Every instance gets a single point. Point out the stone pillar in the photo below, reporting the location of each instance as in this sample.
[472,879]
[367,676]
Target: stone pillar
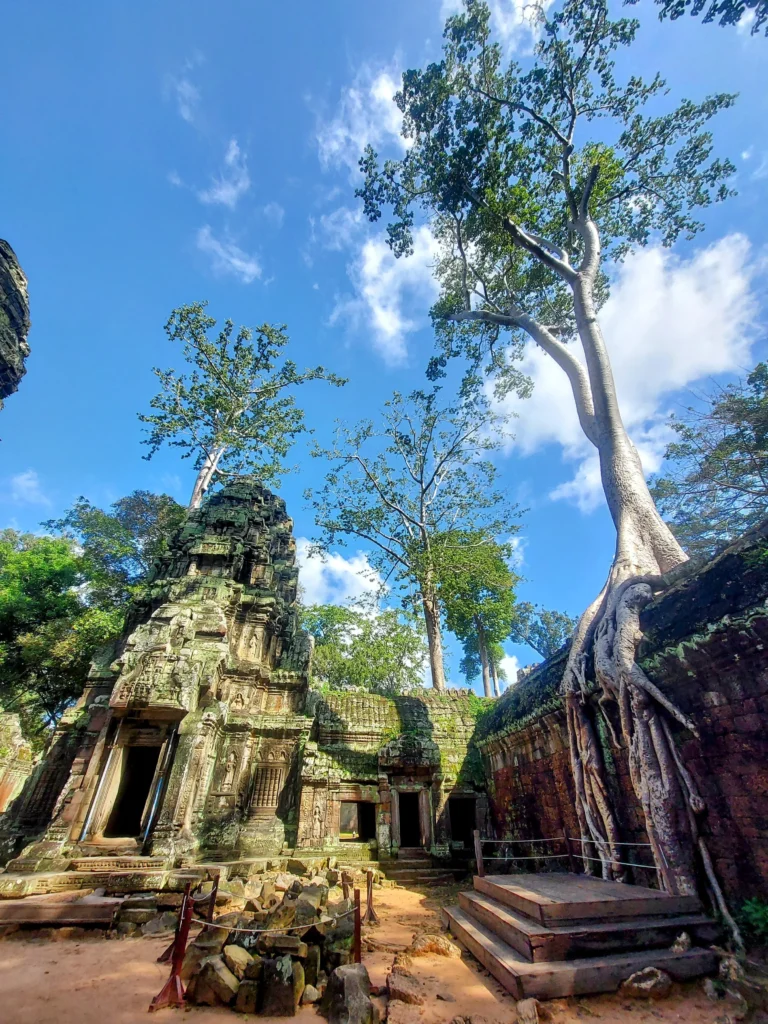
[425,817]
[395,802]
[384,817]
[442,823]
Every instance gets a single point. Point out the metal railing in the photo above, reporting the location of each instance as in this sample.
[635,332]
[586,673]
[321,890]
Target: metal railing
[570,854]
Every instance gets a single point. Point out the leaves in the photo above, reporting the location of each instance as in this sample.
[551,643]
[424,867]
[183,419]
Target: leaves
[232,406]
[717,486]
[383,651]
[724,12]
[544,631]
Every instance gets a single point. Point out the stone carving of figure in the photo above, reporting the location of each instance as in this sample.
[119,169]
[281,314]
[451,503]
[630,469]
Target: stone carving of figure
[229,771]
[317,822]
[238,702]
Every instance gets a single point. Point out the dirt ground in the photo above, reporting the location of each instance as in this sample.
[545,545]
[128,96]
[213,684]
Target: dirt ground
[92,980]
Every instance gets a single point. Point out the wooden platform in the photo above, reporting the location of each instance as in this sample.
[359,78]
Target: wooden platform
[555,935]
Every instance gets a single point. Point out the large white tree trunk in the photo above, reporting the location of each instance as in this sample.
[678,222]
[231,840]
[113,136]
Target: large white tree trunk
[483,649]
[434,639]
[205,476]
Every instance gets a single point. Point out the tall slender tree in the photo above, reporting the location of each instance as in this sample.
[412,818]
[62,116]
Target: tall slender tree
[231,412]
[406,485]
[534,180]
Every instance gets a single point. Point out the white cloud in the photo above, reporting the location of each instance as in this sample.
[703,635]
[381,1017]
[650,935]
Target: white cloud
[182,89]
[340,228]
[510,666]
[233,181]
[174,179]
[668,323]
[384,287]
[228,258]
[745,22]
[334,579]
[27,490]
[274,213]
[514,22]
[366,114]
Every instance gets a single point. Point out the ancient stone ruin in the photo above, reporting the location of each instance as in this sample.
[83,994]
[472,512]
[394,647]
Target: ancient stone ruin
[14,322]
[198,738]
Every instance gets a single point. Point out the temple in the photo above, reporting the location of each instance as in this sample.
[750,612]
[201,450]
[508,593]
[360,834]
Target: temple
[199,737]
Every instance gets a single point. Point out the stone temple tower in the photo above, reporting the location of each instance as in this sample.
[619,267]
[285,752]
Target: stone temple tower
[186,741]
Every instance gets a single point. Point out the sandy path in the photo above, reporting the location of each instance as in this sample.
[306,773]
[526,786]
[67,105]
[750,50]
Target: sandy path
[94,981]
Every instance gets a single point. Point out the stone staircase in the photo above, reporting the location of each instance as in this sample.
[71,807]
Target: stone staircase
[415,866]
[554,935]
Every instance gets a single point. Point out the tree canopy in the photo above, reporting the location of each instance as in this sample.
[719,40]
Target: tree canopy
[545,631]
[232,411]
[407,483]
[383,651]
[476,588]
[724,12]
[119,546]
[716,486]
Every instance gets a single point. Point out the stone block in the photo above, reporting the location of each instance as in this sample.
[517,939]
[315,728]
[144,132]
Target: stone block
[347,999]
[247,998]
[214,984]
[282,986]
[237,960]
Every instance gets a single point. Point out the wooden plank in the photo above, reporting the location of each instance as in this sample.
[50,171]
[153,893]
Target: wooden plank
[557,899]
[43,914]
[560,979]
[538,942]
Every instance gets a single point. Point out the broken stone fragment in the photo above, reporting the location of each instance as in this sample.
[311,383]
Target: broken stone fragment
[402,985]
[214,984]
[282,985]
[650,983]
[439,944]
[348,996]
[312,965]
[165,922]
[247,998]
[310,995]
[284,944]
[237,960]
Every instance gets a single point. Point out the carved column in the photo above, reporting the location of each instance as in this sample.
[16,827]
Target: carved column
[395,800]
[425,818]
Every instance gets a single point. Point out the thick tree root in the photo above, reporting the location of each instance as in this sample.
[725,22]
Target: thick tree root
[671,803]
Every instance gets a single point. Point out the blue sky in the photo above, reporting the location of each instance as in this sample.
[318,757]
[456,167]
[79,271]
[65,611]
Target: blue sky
[160,153]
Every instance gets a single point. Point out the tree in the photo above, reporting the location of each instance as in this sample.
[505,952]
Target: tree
[533,181]
[405,486]
[120,546]
[47,634]
[725,12]
[476,590]
[544,631]
[383,651]
[717,484]
[471,665]
[231,412]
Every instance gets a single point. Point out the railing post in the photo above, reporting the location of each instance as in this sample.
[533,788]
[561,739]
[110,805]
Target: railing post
[571,861]
[479,854]
[357,947]
[165,956]
[172,992]
[371,917]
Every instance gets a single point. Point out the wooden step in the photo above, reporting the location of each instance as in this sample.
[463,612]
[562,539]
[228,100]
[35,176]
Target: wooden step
[44,913]
[564,898]
[562,978]
[538,942]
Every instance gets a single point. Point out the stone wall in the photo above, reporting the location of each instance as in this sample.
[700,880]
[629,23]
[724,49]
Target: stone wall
[706,647]
[14,321]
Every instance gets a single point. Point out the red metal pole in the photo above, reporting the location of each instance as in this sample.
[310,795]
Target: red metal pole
[165,956]
[358,946]
[172,992]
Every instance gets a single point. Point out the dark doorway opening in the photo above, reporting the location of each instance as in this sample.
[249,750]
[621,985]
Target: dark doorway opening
[138,771]
[462,812]
[357,821]
[366,820]
[410,830]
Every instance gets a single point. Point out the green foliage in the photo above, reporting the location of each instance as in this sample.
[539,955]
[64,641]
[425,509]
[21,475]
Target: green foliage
[725,12]
[513,169]
[718,484]
[230,412]
[383,651]
[120,546]
[47,633]
[544,631]
[754,920]
[476,590]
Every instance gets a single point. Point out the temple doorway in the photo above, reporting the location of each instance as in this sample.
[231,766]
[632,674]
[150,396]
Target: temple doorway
[357,821]
[410,829]
[125,818]
[462,814]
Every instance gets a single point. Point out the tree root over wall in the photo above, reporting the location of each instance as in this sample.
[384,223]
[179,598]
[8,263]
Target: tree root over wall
[610,631]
